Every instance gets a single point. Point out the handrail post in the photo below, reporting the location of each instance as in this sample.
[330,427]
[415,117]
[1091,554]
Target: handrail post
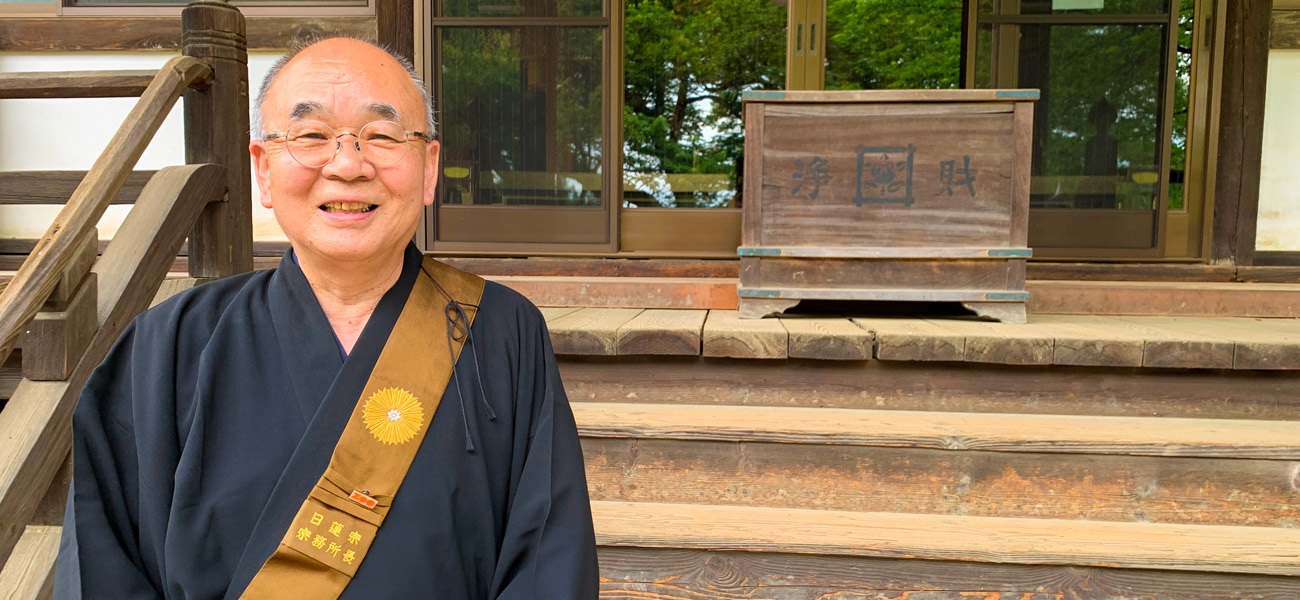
[216,131]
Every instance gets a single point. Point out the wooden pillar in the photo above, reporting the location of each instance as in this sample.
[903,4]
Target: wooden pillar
[1241,130]
[216,131]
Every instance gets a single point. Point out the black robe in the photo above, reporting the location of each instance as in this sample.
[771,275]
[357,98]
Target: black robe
[197,439]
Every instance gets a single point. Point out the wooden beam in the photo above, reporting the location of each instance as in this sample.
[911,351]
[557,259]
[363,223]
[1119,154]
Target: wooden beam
[828,339]
[75,84]
[33,283]
[29,574]
[63,34]
[35,422]
[943,537]
[396,20]
[995,432]
[1241,131]
[216,131]
[55,187]
[590,330]
[913,339]
[680,574]
[1284,30]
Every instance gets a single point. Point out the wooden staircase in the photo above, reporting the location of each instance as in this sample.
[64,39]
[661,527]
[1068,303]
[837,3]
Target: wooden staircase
[756,476]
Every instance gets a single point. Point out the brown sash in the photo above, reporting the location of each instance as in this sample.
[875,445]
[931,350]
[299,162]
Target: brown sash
[337,522]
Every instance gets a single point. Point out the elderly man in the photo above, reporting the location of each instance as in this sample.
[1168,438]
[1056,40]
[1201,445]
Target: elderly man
[360,422]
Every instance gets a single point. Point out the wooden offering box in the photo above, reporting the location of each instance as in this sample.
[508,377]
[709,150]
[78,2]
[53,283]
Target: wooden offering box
[887,195]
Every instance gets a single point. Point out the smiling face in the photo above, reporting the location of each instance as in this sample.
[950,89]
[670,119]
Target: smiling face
[348,212]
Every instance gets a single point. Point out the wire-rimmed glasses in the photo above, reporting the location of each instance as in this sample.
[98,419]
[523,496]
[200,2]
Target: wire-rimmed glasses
[314,144]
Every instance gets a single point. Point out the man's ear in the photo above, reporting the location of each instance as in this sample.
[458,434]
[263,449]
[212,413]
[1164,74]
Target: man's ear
[262,169]
[432,154]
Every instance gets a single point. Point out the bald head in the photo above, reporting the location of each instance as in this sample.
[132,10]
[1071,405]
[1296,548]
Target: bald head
[353,52]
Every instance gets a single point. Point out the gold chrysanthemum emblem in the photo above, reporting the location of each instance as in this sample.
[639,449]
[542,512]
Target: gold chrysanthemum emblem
[393,415]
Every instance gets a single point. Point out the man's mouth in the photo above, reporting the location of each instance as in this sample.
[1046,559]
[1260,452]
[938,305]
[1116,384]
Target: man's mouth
[347,207]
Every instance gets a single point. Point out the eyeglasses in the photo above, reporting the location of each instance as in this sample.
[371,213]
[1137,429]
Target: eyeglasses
[314,144]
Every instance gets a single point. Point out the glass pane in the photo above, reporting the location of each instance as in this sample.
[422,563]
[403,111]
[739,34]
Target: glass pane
[520,8]
[1182,89]
[685,66]
[521,116]
[1074,7]
[1097,126]
[893,44]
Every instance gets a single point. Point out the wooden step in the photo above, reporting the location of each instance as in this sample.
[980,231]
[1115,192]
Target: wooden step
[1207,438]
[625,292]
[29,572]
[1164,298]
[1259,550]
[1126,488]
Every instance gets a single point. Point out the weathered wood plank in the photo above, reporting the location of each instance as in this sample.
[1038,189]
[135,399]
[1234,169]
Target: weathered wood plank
[1157,489]
[53,341]
[29,574]
[828,339]
[1160,298]
[727,335]
[75,84]
[551,313]
[1209,438]
[1003,343]
[34,282]
[913,339]
[78,271]
[950,387]
[690,293]
[1084,341]
[34,424]
[55,187]
[1169,348]
[543,266]
[1284,30]
[659,331]
[171,287]
[1263,550]
[1257,343]
[590,330]
[675,574]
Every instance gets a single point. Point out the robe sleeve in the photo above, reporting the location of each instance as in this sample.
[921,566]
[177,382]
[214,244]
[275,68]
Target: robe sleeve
[100,555]
[549,547]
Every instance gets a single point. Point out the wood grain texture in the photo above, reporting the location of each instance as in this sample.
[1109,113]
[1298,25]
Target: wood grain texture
[29,574]
[53,341]
[939,386]
[828,339]
[34,282]
[551,313]
[1003,343]
[75,84]
[164,33]
[919,480]
[1271,551]
[55,187]
[171,287]
[1163,348]
[1208,438]
[1085,341]
[590,330]
[544,266]
[1208,299]
[658,331]
[913,339]
[677,574]
[1257,343]
[1284,30]
[217,132]
[1241,128]
[1062,271]
[35,422]
[625,292]
[812,96]
[727,335]
[72,278]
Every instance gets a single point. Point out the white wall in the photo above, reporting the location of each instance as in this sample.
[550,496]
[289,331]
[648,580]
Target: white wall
[69,134]
[1279,186]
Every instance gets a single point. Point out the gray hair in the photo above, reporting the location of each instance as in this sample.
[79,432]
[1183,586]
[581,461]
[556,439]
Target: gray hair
[256,128]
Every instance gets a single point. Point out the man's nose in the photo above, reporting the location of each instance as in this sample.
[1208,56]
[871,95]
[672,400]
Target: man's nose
[349,161]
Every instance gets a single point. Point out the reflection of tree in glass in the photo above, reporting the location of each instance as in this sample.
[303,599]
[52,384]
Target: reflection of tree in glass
[893,44]
[686,64]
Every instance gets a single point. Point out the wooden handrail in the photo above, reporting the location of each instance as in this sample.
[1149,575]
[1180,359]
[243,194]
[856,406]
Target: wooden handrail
[34,424]
[55,187]
[32,285]
[75,84]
